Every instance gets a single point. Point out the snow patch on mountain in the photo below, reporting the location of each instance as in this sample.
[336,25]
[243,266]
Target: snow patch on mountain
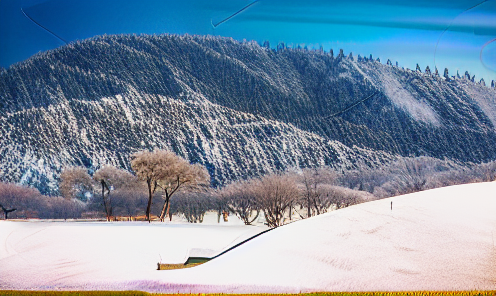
[402,98]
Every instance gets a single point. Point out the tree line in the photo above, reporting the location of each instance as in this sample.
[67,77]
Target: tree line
[164,184]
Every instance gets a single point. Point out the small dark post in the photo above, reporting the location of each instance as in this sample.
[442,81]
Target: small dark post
[391,206]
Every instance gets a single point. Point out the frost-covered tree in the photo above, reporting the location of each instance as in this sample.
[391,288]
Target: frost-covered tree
[276,193]
[446,74]
[313,196]
[412,174]
[111,178]
[75,183]
[418,69]
[428,70]
[192,205]
[168,171]
[240,199]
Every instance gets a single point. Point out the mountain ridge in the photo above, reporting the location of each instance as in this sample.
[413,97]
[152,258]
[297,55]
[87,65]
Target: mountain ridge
[372,113]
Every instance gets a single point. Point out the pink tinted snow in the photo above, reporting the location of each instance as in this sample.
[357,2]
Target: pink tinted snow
[440,239]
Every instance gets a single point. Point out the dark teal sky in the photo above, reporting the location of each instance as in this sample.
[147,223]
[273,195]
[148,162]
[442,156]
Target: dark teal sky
[453,34]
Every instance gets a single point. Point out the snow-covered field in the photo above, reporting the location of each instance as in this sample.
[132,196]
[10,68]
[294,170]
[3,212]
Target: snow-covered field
[440,239]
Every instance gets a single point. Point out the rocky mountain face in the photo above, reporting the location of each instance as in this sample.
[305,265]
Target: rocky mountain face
[238,108]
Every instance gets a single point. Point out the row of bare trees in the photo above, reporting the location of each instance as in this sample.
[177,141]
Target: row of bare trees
[18,201]
[408,175]
[156,172]
[159,175]
[287,196]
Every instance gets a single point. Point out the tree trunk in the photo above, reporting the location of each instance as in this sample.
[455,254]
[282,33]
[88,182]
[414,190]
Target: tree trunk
[309,213]
[104,201]
[253,220]
[6,212]
[150,196]
[165,208]
[110,211]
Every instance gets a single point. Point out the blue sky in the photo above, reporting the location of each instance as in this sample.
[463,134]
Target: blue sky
[459,35]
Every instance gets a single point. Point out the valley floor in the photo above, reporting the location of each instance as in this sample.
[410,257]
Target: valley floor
[441,239]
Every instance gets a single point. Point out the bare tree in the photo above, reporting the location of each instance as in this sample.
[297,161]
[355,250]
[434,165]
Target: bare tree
[31,204]
[275,194]
[240,199]
[365,178]
[193,205]
[413,175]
[21,201]
[75,183]
[342,197]
[129,201]
[168,171]
[149,167]
[185,177]
[487,171]
[110,177]
[219,203]
[314,197]
[63,208]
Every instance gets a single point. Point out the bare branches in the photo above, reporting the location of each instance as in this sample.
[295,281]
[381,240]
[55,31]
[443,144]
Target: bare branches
[112,178]
[240,198]
[275,195]
[192,205]
[278,194]
[29,203]
[314,197]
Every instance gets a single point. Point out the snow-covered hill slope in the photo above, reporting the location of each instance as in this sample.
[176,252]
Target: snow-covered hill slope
[238,108]
[231,144]
[441,239]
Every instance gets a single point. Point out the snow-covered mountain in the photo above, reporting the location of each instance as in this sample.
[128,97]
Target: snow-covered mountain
[238,108]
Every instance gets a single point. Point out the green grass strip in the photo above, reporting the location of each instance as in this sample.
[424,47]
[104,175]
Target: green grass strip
[139,293]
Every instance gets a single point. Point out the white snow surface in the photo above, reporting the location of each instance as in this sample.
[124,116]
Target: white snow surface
[441,239]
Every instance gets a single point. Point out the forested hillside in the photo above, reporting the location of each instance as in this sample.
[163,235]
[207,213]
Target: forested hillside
[238,108]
